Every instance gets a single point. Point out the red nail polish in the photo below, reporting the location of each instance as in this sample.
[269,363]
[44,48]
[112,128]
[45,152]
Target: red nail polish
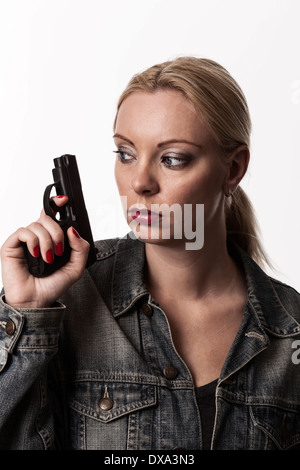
[36,251]
[49,256]
[59,249]
[75,232]
[60,196]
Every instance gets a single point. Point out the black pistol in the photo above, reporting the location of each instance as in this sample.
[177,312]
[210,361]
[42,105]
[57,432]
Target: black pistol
[73,213]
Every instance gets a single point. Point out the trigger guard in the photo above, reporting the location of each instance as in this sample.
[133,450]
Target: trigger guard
[49,204]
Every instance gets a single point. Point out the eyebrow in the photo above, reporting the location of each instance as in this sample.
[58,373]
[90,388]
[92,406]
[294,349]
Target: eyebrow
[161,144]
[178,141]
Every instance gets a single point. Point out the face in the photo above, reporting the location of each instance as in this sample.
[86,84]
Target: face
[167,158]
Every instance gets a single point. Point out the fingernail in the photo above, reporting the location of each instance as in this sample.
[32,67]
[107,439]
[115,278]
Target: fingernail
[60,196]
[75,232]
[49,256]
[36,251]
[59,249]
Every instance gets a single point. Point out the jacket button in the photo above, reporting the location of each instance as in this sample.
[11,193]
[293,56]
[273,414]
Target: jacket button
[170,372]
[106,404]
[10,327]
[147,310]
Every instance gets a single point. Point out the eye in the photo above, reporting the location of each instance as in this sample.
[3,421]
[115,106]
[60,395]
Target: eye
[174,161]
[124,156]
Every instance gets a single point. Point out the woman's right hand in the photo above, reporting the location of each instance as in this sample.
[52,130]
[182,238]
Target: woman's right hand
[43,237]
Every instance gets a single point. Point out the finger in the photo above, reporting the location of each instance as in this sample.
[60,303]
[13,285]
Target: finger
[12,247]
[55,231]
[48,236]
[58,201]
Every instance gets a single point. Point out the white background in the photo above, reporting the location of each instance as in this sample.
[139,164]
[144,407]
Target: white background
[64,63]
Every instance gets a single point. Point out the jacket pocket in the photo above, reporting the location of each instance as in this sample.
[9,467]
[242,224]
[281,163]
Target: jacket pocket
[280,425]
[108,401]
[106,415]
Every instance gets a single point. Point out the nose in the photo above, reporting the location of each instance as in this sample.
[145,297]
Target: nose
[144,180]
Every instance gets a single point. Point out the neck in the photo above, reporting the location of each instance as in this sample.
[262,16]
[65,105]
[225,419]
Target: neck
[192,275]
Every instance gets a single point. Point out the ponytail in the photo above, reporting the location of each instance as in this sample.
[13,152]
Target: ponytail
[242,226]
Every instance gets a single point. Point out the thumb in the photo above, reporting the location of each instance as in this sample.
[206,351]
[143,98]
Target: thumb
[80,248]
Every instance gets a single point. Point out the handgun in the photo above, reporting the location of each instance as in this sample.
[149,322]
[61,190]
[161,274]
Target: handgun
[66,182]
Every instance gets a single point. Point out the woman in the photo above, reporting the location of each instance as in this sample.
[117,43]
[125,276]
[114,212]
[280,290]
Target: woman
[156,346]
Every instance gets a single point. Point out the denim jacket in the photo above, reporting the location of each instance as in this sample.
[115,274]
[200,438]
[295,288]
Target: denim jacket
[99,369]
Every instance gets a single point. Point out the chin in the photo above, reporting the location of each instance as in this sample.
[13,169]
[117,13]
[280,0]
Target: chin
[156,238]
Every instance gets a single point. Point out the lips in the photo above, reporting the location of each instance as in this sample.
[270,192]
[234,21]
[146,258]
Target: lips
[144,216]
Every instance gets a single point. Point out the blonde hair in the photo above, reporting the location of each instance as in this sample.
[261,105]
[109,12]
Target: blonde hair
[220,102]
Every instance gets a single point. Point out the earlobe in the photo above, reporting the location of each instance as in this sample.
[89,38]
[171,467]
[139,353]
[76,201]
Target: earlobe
[236,169]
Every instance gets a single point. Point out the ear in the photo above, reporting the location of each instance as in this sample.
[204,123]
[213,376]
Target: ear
[236,169]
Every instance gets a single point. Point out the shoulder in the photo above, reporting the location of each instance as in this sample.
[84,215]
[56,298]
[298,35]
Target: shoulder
[288,297]
[96,278]
[116,272]
[108,248]
[276,301]
[118,260]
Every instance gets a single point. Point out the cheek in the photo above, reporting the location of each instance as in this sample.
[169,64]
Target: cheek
[128,198]
[206,190]
[203,190]
[120,180]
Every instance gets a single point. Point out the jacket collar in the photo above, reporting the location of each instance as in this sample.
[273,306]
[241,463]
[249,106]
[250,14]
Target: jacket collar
[128,286]
[127,282]
[263,296]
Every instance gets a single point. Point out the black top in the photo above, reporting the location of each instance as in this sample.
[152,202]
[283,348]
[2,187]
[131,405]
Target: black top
[205,396]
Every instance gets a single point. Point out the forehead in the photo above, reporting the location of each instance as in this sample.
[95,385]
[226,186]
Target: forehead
[163,113]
